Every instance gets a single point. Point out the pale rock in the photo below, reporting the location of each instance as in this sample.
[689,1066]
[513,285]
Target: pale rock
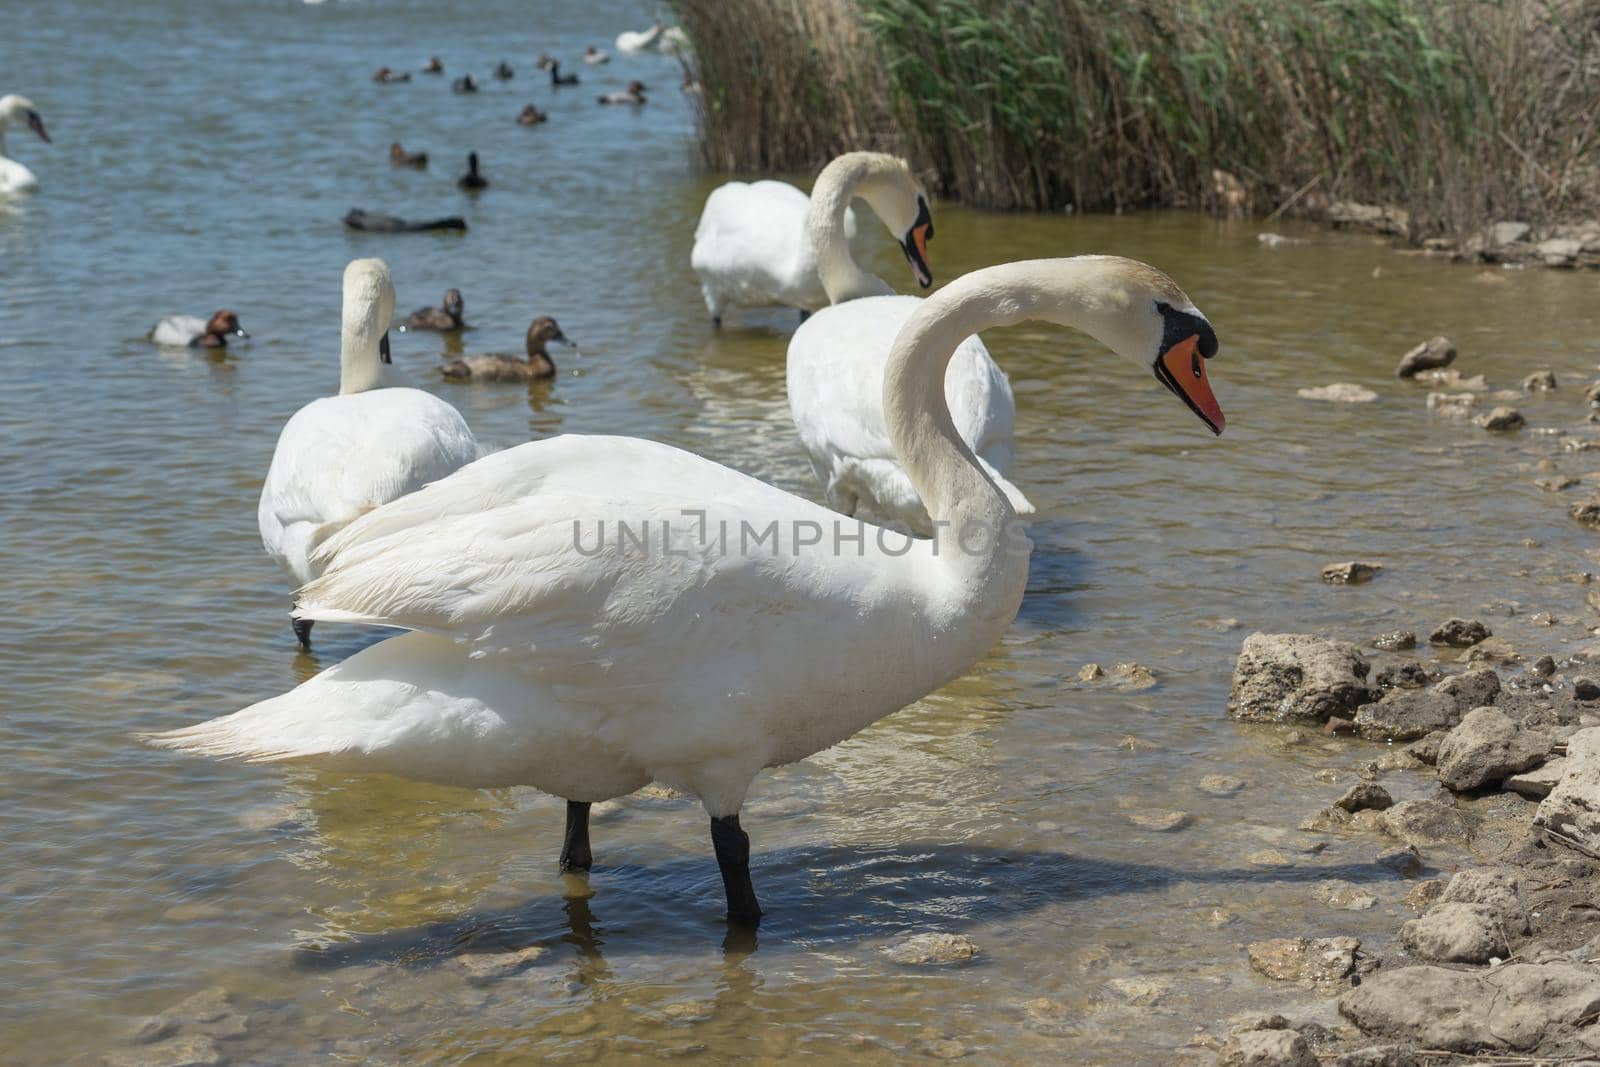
[1339,393]
[1295,959]
[1297,678]
[1456,933]
[916,949]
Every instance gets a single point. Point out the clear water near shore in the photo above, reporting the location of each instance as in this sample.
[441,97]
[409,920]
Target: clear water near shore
[334,911]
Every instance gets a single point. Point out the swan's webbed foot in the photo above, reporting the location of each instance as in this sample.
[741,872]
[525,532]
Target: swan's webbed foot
[733,855]
[575,855]
[302,632]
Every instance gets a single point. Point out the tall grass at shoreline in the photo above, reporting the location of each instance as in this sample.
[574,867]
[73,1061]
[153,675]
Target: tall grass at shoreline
[1458,111]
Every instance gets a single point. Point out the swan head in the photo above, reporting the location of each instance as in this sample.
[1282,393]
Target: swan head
[225,324]
[541,332]
[900,201]
[14,108]
[368,308]
[1141,314]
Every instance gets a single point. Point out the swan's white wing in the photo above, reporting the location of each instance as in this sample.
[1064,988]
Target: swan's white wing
[751,247]
[341,456]
[510,554]
[15,178]
[835,379]
[178,330]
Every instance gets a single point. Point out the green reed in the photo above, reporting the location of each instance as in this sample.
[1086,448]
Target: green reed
[1458,111]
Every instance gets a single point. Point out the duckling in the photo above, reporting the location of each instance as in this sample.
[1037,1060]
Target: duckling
[386,76]
[399,157]
[546,61]
[499,368]
[504,71]
[465,84]
[434,66]
[531,116]
[594,57]
[558,78]
[190,331]
[447,317]
[472,180]
[634,94]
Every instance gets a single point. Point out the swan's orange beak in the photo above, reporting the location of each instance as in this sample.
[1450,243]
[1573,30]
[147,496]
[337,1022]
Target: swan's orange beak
[1181,369]
[915,244]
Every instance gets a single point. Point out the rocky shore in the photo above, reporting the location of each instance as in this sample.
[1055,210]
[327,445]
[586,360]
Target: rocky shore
[1502,959]
[1568,245]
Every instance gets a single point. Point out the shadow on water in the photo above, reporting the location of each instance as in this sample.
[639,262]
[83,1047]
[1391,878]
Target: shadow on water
[815,897]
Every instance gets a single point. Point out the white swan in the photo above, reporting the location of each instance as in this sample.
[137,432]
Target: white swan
[14,177]
[191,331]
[836,366]
[341,456]
[752,247]
[639,40]
[749,628]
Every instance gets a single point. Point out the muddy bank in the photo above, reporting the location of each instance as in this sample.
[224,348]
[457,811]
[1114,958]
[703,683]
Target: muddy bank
[1570,244]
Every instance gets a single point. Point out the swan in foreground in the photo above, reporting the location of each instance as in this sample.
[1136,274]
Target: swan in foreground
[836,365]
[498,368]
[752,629]
[14,177]
[752,248]
[191,331]
[341,456]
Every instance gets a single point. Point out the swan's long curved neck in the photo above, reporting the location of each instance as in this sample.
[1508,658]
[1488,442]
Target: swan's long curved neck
[955,490]
[842,278]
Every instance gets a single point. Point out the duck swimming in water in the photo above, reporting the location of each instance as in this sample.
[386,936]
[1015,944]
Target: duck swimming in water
[434,66]
[500,368]
[399,157]
[634,95]
[191,331]
[558,78]
[531,116]
[472,180]
[504,71]
[465,84]
[445,317]
[386,76]
[594,57]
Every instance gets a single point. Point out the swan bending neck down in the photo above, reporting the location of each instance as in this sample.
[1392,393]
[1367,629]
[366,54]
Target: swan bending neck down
[14,177]
[587,670]
[885,182]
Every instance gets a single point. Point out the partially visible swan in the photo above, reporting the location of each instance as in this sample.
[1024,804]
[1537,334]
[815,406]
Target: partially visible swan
[552,652]
[836,365]
[594,57]
[447,316]
[14,177]
[633,94]
[191,331]
[752,247]
[341,456]
[639,40]
[499,368]
[674,42]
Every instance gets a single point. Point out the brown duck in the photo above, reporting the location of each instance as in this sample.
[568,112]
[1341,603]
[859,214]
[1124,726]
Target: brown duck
[447,317]
[498,368]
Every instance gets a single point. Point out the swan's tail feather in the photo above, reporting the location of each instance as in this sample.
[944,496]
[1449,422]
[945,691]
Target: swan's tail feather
[1019,503]
[225,738]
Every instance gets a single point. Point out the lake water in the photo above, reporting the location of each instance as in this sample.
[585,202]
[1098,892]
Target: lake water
[204,154]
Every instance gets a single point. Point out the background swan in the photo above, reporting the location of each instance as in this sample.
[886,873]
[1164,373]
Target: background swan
[836,365]
[341,456]
[752,247]
[639,40]
[191,331]
[548,654]
[14,177]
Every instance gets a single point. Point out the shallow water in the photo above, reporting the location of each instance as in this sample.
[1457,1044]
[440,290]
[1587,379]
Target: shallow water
[204,153]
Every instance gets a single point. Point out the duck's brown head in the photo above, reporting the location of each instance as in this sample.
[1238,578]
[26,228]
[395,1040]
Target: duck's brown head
[453,304]
[225,324]
[541,332]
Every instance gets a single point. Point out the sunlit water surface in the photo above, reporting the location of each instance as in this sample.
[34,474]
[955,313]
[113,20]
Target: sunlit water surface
[204,154]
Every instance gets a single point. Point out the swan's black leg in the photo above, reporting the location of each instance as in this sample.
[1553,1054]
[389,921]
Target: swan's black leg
[302,632]
[575,854]
[804,314]
[733,856]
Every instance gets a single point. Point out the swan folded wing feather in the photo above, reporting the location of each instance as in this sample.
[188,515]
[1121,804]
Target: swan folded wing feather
[751,245]
[506,555]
